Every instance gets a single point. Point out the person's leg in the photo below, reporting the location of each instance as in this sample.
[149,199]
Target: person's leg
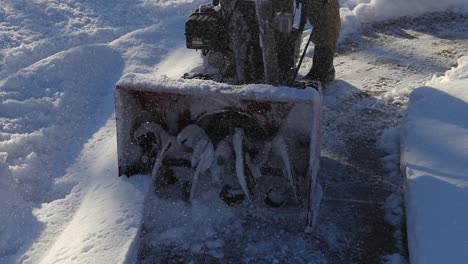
[239,39]
[325,18]
[265,12]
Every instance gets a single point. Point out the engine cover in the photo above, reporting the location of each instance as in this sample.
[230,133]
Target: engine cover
[205,29]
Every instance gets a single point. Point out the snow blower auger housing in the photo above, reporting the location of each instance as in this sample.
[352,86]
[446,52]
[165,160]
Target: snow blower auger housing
[254,143]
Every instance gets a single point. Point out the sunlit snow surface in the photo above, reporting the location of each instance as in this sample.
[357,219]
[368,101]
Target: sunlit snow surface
[434,159]
[60,199]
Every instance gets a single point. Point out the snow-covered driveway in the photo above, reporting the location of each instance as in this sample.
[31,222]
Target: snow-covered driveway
[362,215]
[60,199]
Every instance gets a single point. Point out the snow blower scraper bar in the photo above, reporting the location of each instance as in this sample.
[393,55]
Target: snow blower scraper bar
[251,140]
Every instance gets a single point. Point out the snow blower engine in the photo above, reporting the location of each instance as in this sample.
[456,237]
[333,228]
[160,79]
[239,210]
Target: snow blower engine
[226,129]
[248,41]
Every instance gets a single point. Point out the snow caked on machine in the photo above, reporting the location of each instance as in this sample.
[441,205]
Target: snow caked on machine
[243,126]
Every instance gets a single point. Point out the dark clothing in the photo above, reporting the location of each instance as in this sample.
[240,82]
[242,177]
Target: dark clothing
[326,21]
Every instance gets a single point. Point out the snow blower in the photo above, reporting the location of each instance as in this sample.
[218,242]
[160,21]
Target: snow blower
[253,141]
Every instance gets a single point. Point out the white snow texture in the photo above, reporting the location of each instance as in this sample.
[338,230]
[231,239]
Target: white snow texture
[356,12]
[60,198]
[434,159]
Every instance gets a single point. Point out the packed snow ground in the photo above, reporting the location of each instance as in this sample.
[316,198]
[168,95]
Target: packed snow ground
[60,199]
[434,159]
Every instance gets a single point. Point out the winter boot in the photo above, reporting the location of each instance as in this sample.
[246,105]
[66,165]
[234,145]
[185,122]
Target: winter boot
[322,68]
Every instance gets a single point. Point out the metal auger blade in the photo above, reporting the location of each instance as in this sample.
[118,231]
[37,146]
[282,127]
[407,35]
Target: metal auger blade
[194,182]
[281,149]
[255,163]
[254,169]
[158,163]
[204,163]
[222,161]
[313,207]
[240,169]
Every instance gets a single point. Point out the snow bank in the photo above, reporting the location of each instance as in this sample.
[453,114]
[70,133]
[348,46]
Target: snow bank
[13,210]
[56,91]
[41,104]
[434,160]
[109,214]
[48,110]
[59,197]
[355,12]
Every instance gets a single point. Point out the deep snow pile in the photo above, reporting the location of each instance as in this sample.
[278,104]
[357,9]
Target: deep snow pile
[60,61]
[356,12]
[434,159]
[57,130]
